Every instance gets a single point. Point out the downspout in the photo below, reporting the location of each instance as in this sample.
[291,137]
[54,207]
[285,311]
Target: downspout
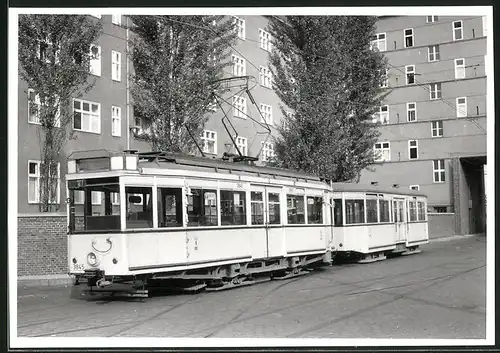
[127,88]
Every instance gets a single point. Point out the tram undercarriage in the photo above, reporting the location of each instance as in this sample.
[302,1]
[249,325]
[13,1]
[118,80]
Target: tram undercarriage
[215,278]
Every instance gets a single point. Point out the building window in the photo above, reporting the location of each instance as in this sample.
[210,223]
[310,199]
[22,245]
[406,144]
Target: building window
[461,107]
[385,79]
[457,30]
[440,209]
[437,128]
[95,60]
[267,151]
[116,66]
[265,40]
[239,66]
[415,187]
[438,170]
[116,19]
[378,41]
[382,151]
[409,38]
[116,121]
[431,19]
[212,106]
[240,27]
[267,113]
[435,90]
[209,139]
[382,115]
[265,77]
[242,143]
[86,116]
[411,111]
[459,68]
[240,106]
[34,177]
[433,53]
[410,74]
[35,109]
[413,149]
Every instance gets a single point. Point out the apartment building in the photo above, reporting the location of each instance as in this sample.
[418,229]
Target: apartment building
[433,133]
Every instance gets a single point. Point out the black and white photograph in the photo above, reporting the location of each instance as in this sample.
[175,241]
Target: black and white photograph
[221,177]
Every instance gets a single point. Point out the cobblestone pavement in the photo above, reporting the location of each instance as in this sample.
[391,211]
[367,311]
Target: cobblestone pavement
[439,293]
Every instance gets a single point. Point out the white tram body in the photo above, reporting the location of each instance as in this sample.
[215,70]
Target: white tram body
[185,217]
[216,224]
[376,221]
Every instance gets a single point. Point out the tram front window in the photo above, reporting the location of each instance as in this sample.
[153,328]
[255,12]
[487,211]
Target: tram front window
[94,205]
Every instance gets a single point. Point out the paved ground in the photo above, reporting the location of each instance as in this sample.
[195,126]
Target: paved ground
[439,293]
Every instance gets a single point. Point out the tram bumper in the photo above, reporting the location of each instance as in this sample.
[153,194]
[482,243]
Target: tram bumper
[93,276]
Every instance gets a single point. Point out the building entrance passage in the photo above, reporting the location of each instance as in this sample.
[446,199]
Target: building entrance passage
[400,221]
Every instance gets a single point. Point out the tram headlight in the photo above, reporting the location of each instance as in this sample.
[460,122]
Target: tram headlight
[92,259]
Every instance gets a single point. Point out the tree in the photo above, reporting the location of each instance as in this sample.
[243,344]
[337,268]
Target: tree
[176,60]
[325,71]
[54,57]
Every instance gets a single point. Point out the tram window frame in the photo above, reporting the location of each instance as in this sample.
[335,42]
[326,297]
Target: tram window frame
[297,217]
[169,220]
[317,204]
[201,208]
[384,210]
[107,218]
[412,211]
[138,219]
[338,213]
[275,202]
[228,213]
[255,217]
[421,207]
[370,211]
[355,217]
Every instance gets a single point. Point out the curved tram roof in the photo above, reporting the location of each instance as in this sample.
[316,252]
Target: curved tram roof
[165,160]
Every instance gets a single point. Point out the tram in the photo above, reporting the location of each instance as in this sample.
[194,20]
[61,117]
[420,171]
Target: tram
[142,218]
[138,220]
[371,223]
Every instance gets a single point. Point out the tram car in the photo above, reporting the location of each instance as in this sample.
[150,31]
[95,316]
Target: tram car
[371,222]
[197,223]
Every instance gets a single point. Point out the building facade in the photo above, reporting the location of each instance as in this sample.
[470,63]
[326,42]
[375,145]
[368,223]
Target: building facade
[433,132]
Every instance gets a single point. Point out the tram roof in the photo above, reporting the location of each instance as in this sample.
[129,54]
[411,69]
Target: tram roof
[384,189]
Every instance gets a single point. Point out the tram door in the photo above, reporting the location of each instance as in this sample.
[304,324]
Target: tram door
[399,214]
[272,219]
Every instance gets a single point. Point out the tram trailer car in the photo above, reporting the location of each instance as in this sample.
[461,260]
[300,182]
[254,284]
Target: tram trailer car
[371,223]
[148,218]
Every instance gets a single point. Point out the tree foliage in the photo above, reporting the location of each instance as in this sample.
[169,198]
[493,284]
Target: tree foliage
[54,57]
[176,60]
[324,70]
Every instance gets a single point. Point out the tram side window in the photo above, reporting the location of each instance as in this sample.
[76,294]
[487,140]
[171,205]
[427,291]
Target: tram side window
[169,207]
[315,210]
[274,208]
[232,208]
[385,212]
[202,208]
[371,211]
[421,211]
[413,210]
[295,209]
[139,207]
[337,209]
[97,200]
[257,207]
[354,211]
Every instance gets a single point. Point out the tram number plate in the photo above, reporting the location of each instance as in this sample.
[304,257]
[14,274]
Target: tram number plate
[79,267]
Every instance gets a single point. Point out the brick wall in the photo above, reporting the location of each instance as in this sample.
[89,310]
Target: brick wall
[42,244]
